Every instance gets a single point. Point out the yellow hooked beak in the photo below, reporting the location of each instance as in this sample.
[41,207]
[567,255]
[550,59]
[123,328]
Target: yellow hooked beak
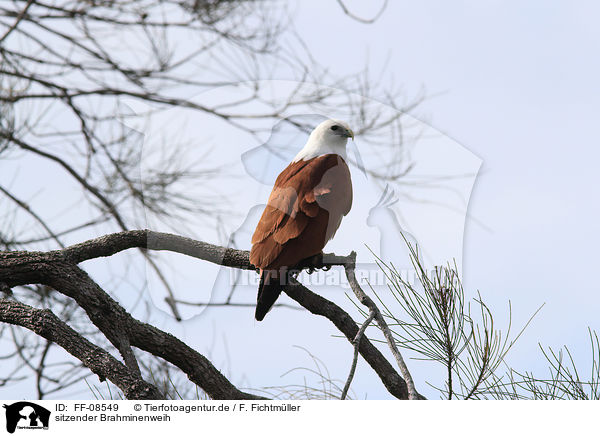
[350,133]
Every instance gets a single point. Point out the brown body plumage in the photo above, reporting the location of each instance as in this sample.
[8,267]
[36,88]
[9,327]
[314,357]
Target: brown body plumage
[304,210]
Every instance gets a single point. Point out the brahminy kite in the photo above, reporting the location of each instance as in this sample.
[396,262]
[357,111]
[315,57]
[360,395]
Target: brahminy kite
[304,210]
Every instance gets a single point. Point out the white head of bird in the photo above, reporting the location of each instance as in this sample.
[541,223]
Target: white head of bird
[329,137]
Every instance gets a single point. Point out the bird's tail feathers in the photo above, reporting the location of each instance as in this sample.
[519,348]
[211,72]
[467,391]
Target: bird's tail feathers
[269,289]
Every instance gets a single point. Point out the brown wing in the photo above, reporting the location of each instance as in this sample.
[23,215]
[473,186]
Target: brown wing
[304,211]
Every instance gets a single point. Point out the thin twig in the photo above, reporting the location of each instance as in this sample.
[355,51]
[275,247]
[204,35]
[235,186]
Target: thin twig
[367,301]
[17,21]
[230,304]
[356,342]
[360,19]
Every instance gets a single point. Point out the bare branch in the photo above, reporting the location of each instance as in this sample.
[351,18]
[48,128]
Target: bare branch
[17,21]
[122,330]
[356,342]
[361,19]
[367,301]
[47,325]
[58,269]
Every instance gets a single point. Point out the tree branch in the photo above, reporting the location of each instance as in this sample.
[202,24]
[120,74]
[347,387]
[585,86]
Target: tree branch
[318,305]
[58,269]
[47,325]
[356,341]
[367,301]
[113,243]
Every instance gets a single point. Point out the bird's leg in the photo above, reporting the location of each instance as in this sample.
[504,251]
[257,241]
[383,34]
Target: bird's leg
[292,273]
[311,264]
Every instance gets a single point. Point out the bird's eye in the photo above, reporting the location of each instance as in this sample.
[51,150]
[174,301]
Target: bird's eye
[335,127]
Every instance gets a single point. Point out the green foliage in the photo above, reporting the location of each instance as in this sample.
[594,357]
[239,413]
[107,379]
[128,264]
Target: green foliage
[563,382]
[436,322]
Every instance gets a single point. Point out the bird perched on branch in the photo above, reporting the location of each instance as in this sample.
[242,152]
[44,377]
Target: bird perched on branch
[309,199]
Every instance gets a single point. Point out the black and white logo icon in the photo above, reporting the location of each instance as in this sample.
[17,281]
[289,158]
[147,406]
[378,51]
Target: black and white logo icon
[26,415]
